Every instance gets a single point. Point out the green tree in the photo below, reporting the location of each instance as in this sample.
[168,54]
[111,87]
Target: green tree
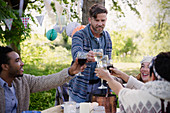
[18,33]
[156,39]
[123,44]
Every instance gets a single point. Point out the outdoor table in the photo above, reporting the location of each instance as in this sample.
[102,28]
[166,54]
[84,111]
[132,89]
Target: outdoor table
[55,109]
[58,109]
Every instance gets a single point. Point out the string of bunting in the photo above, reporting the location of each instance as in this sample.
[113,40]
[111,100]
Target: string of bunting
[8,22]
[60,25]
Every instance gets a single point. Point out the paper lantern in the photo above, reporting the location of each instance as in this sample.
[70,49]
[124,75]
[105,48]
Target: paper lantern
[59,29]
[77,29]
[70,27]
[51,34]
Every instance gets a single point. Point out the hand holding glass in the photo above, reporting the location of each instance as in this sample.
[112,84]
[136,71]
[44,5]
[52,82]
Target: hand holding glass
[98,53]
[104,65]
[110,65]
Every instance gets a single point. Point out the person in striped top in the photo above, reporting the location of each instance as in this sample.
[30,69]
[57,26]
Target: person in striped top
[93,36]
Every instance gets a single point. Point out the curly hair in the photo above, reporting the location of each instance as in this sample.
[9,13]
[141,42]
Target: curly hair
[4,59]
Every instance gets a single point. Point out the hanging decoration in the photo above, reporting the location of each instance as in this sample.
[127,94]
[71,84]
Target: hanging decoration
[51,15]
[58,29]
[47,5]
[40,19]
[77,29]
[59,10]
[9,23]
[60,25]
[70,27]
[51,35]
[25,21]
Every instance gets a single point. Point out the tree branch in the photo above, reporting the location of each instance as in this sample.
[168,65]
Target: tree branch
[32,1]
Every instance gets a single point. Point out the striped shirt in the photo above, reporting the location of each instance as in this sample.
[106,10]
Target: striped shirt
[84,40]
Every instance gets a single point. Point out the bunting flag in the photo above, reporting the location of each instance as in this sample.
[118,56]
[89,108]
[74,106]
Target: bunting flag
[9,23]
[40,19]
[25,21]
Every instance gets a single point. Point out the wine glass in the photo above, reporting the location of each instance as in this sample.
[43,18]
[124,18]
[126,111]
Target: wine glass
[82,58]
[110,65]
[98,54]
[104,65]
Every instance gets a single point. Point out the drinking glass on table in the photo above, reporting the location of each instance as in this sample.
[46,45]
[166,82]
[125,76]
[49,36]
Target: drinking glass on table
[70,107]
[104,66]
[82,58]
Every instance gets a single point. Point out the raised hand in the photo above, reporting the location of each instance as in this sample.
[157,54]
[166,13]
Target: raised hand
[90,56]
[76,68]
[102,73]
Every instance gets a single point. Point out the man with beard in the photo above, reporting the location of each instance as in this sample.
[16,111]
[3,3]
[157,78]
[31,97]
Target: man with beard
[15,87]
[93,36]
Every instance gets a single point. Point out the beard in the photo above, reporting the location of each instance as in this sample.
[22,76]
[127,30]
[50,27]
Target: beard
[14,74]
[19,75]
[95,29]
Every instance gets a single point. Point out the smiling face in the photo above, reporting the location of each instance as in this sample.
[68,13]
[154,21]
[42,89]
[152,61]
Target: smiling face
[15,66]
[145,72]
[98,23]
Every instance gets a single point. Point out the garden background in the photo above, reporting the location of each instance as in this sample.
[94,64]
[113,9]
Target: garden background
[134,34]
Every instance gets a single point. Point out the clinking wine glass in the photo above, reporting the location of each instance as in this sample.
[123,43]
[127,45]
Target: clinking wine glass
[98,54]
[110,65]
[82,58]
[104,65]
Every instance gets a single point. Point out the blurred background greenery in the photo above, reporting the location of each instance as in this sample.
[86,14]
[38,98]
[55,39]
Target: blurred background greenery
[134,35]
[43,57]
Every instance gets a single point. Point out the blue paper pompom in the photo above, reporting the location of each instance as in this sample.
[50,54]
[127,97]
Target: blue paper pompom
[51,34]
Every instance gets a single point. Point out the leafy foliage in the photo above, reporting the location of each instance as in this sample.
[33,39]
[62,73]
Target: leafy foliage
[37,63]
[37,5]
[41,58]
[130,3]
[38,50]
[6,11]
[43,100]
[123,44]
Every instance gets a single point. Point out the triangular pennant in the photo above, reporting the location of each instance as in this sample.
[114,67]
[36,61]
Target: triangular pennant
[9,23]
[40,19]
[25,21]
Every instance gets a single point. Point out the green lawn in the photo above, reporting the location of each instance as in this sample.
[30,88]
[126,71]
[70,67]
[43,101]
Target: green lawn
[129,68]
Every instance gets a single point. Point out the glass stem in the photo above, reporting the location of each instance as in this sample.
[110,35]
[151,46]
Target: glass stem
[101,81]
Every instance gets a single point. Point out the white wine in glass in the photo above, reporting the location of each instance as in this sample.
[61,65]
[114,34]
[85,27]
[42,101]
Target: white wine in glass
[104,66]
[98,54]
